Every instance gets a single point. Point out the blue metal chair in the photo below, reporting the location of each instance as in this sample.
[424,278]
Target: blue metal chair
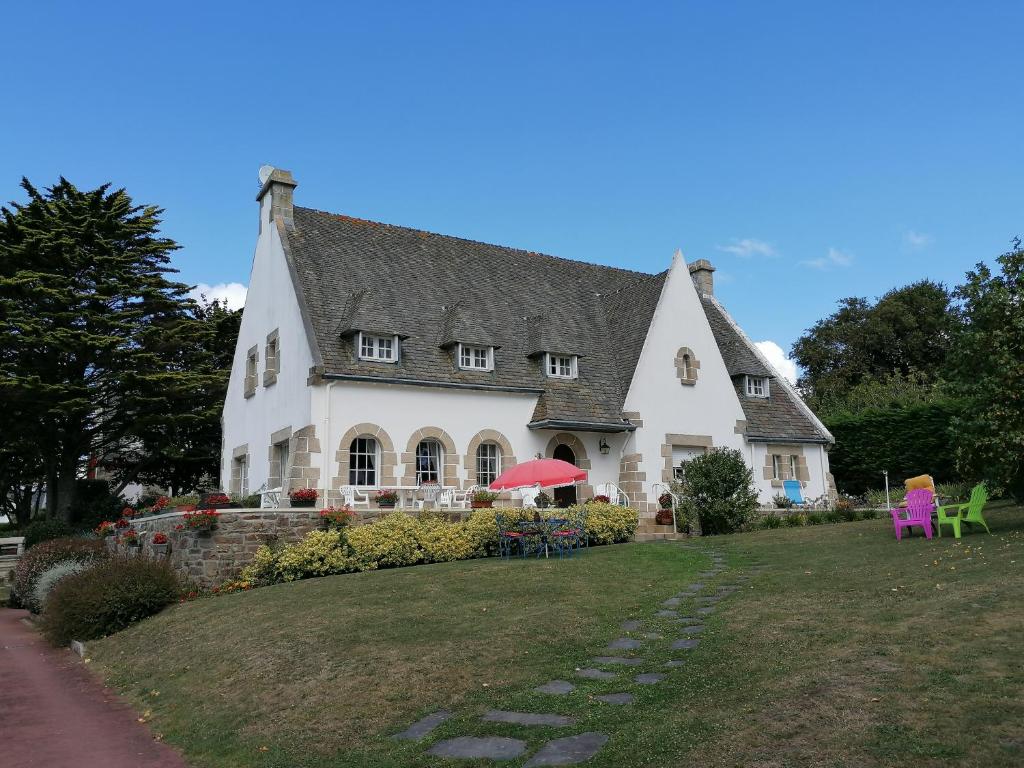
[507,538]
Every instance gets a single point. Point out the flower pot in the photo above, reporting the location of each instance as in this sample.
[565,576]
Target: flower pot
[482,504]
[111,543]
[664,517]
[305,503]
[160,550]
[386,504]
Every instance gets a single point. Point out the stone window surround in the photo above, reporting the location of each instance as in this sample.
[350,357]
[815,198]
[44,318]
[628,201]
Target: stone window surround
[302,444]
[239,459]
[508,458]
[387,468]
[682,441]
[687,374]
[252,362]
[449,455]
[276,473]
[272,353]
[785,450]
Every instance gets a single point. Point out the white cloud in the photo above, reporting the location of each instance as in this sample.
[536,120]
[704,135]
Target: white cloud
[834,258]
[232,293]
[915,241]
[784,365]
[748,247]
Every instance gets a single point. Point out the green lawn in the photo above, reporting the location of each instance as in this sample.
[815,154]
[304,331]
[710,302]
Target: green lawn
[852,650]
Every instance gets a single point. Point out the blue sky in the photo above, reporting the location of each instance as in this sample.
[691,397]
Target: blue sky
[810,150]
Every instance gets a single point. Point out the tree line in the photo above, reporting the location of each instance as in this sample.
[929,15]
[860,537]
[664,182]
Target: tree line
[105,361]
[925,379]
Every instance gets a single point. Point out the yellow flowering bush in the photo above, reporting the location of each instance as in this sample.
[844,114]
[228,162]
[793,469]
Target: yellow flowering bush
[443,542]
[390,542]
[607,523]
[320,553]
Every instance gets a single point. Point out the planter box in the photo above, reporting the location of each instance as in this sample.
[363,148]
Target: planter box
[303,503]
[386,505]
[160,550]
[482,504]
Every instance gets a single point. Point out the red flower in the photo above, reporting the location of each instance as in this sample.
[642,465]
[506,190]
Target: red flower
[304,494]
[122,523]
[128,512]
[159,537]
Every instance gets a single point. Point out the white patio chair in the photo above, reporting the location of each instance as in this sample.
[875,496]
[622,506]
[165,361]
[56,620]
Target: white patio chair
[352,497]
[446,498]
[270,498]
[430,494]
[530,495]
[613,492]
[465,498]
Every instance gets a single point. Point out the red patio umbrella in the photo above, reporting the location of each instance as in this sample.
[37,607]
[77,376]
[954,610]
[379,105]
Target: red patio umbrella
[543,472]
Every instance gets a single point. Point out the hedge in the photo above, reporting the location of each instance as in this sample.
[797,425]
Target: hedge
[399,539]
[910,441]
[42,557]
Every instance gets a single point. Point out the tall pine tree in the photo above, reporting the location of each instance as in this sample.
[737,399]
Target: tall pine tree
[95,340]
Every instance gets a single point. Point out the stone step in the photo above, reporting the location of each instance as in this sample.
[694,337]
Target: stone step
[658,537]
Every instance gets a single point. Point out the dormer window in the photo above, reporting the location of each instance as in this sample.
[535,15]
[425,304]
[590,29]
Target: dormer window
[560,366]
[757,386]
[381,349]
[473,358]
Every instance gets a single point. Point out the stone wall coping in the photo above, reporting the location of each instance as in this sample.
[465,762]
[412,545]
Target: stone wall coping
[246,510]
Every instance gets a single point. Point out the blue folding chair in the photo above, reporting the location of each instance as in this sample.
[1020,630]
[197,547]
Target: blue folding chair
[792,488]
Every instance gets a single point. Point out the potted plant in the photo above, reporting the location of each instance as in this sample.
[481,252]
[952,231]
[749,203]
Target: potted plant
[216,500]
[130,537]
[159,543]
[303,497]
[664,516]
[128,512]
[201,521]
[335,518]
[482,499]
[387,499]
[602,499]
[543,500]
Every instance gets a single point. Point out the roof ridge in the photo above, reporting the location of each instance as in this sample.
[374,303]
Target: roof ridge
[523,251]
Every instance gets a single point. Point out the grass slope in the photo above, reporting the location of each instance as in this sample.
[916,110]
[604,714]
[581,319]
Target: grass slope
[853,651]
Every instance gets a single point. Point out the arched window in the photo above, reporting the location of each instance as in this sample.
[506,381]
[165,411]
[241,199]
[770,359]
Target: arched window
[362,461]
[488,463]
[428,462]
[687,367]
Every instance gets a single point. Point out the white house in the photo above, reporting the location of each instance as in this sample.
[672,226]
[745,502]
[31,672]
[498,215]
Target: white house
[377,355]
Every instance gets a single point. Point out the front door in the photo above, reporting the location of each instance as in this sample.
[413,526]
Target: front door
[566,495]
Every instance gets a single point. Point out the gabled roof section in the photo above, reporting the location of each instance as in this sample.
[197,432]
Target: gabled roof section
[433,290]
[782,415]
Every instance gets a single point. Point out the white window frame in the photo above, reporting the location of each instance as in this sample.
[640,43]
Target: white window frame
[755,383]
[776,466]
[554,368]
[420,480]
[369,473]
[792,467]
[482,460]
[470,358]
[372,347]
[243,474]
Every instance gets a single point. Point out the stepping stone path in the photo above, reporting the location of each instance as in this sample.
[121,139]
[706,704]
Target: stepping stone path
[492,747]
[594,674]
[617,698]
[568,751]
[527,718]
[624,644]
[556,688]
[421,728]
[649,678]
[623,660]
[685,644]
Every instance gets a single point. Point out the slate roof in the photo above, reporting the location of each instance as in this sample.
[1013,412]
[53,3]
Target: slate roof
[434,290]
[776,417]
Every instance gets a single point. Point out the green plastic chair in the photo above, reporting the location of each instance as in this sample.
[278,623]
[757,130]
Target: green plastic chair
[964,513]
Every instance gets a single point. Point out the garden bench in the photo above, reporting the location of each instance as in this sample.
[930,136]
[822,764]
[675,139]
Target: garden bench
[11,550]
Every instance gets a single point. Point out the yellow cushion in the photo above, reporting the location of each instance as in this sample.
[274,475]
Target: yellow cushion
[921,481]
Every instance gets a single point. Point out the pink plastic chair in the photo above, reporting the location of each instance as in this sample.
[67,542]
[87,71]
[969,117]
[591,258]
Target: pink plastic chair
[918,512]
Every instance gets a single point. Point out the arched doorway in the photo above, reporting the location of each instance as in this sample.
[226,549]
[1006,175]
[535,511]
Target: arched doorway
[566,495]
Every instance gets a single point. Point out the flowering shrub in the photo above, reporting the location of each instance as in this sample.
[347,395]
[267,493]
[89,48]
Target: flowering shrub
[104,529]
[131,536]
[44,556]
[601,499]
[159,537]
[665,501]
[201,520]
[337,517]
[781,501]
[128,512]
[303,494]
[217,498]
[607,523]
[387,497]
[122,524]
[320,553]
[389,542]
[48,580]
[442,542]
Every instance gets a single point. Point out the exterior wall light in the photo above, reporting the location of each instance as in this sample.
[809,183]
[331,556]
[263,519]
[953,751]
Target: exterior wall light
[603,447]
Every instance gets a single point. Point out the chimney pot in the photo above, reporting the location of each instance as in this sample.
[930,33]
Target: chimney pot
[702,273]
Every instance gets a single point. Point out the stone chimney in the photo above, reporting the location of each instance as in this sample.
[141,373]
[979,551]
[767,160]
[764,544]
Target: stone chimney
[279,185]
[703,276]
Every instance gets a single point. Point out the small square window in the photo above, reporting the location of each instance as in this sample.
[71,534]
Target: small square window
[757,386]
[379,348]
[561,366]
[475,358]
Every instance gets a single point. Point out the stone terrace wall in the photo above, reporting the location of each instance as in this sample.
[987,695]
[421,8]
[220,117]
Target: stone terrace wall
[210,559]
